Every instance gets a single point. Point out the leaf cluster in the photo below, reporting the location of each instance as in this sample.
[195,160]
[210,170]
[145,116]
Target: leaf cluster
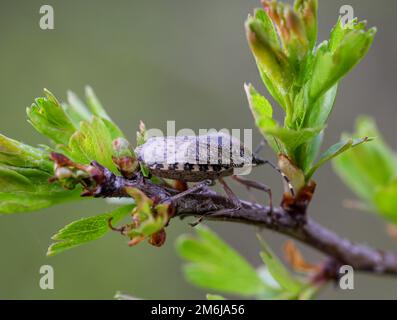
[212,264]
[371,170]
[302,77]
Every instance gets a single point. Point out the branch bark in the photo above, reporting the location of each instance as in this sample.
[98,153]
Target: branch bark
[282,220]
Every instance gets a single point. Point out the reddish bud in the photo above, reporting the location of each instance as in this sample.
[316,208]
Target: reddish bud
[158,239]
[124,157]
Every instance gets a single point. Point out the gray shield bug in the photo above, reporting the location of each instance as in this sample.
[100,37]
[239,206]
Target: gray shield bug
[203,159]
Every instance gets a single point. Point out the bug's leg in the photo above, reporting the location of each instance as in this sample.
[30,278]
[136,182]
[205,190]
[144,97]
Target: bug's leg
[256,156]
[233,198]
[256,185]
[193,189]
[286,179]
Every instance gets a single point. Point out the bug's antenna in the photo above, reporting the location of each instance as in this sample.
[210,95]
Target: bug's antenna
[264,143]
[260,146]
[260,161]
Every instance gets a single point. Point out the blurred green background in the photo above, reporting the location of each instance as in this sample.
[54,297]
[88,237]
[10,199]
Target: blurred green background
[179,60]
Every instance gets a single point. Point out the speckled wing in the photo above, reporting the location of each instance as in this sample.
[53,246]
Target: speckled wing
[215,149]
[212,149]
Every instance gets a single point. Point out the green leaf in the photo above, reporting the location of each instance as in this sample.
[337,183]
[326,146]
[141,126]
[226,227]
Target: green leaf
[15,153]
[24,175]
[385,199]
[267,27]
[76,109]
[368,167]
[306,153]
[49,118]
[292,139]
[23,194]
[216,266]
[145,170]
[113,129]
[352,172]
[278,271]
[334,60]
[371,171]
[92,141]
[95,105]
[260,107]
[334,151]
[148,220]
[274,289]
[309,293]
[32,201]
[270,59]
[262,112]
[340,31]
[314,116]
[84,133]
[27,189]
[303,79]
[307,10]
[124,296]
[86,230]
[292,29]
[79,111]
[318,112]
[381,153]
[274,91]
[214,297]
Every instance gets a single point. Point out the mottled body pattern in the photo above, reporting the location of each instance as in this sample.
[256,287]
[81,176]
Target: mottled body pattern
[203,159]
[194,158]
